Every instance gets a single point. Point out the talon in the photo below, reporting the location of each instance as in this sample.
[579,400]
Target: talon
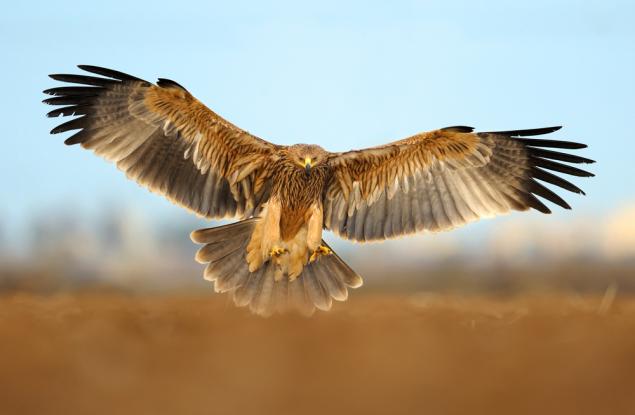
[324,250]
[276,252]
[320,251]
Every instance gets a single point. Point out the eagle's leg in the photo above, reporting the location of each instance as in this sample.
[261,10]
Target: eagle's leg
[314,235]
[314,226]
[271,246]
[265,243]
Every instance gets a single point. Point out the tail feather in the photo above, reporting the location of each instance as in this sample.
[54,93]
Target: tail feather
[223,233]
[334,286]
[349,277]
[281,295]
[217,251]
[246,292]
[224,251]
[262,302]
[226,274]
[298,299]
[234,279]
[315,291]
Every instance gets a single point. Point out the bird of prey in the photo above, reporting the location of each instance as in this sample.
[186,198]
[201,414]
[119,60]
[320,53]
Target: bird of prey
[274,258]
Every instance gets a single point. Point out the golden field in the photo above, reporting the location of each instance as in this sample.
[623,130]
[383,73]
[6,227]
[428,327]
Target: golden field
[105,352]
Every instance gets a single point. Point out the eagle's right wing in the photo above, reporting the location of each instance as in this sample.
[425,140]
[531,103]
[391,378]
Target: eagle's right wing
[166,140]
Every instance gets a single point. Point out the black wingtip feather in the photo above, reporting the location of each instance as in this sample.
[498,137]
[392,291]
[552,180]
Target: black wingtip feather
[527,132]
[556,155]
[83,80]
[168,83]
[459,129]
[537,142]
[545,176]
[110,73]
[542,191]
[78,99]
[559,167]
[540,159]
[71,141]
[69,111]
[73,91]
[77,138]
[69,100]
[533,202]
[74,124]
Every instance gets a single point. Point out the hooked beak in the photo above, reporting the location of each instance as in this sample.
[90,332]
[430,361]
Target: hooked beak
[307,166]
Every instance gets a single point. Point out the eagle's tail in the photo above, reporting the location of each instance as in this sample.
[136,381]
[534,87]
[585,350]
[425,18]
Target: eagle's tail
[224,252]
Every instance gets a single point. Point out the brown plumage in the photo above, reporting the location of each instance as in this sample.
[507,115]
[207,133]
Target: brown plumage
[275,258]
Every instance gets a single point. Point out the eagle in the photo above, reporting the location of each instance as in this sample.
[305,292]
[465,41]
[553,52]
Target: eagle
[274,259]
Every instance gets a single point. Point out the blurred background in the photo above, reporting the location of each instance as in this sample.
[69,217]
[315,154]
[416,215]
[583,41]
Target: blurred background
[343,75]
[98,284]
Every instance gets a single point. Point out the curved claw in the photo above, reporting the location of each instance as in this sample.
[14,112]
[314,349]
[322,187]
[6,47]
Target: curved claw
[277,251]
[320,251]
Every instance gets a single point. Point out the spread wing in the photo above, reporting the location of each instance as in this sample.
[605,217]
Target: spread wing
[442,179]
[166,140]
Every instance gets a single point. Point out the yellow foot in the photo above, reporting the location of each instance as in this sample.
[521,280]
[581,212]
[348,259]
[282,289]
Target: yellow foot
[277,251]
[320,251]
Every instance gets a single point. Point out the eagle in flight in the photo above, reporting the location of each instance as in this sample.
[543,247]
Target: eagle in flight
[285,196]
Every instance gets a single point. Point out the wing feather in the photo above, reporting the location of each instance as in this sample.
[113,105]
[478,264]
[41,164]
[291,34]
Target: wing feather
[166,140]
[442,179]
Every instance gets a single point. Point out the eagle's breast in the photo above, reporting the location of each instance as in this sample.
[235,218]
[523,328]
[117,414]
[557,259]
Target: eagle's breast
[297,193]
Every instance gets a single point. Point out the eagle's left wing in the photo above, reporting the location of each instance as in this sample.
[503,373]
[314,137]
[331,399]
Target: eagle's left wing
[442,179]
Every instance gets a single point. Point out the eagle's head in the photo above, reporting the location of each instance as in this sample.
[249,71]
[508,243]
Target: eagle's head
[306,156]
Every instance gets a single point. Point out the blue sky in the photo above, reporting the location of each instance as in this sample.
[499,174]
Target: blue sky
[347,75]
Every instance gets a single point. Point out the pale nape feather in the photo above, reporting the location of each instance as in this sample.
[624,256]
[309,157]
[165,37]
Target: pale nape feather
[442,179]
